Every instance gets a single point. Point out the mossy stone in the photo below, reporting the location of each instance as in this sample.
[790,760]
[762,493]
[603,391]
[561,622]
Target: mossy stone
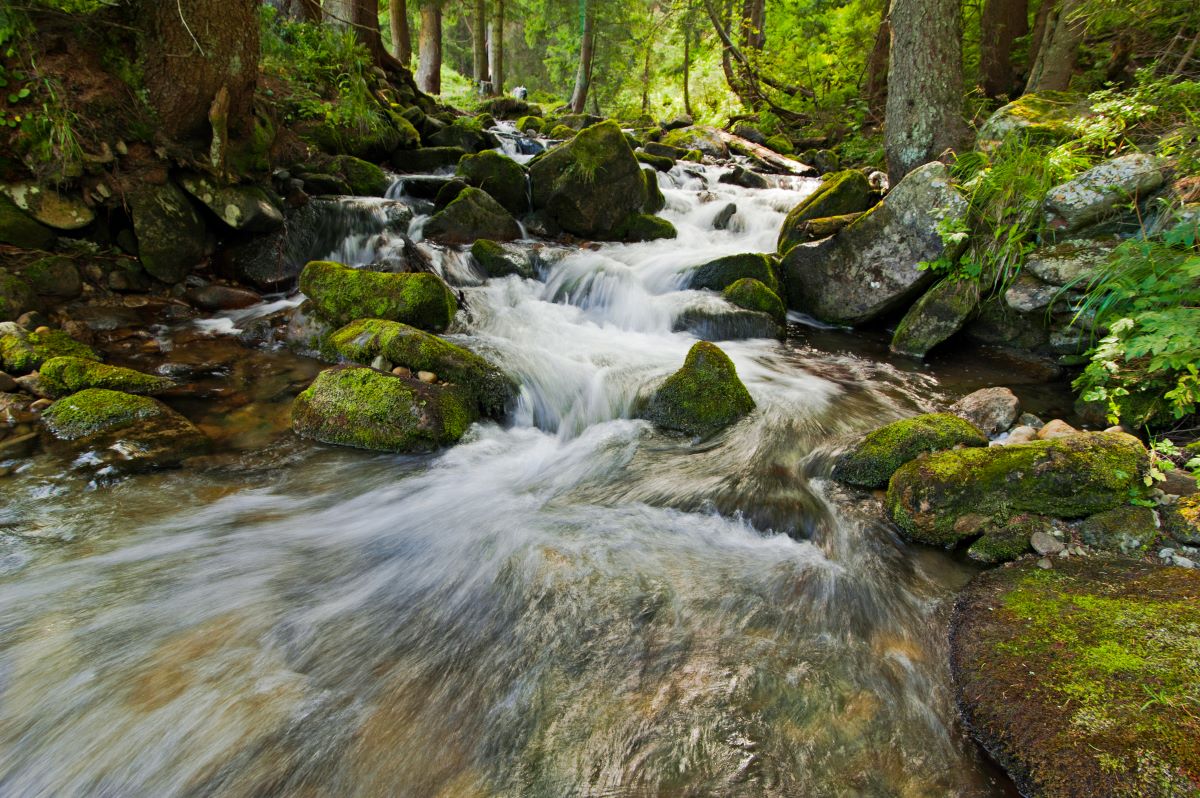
[364,178]
[246,208]
[341,295]
[16,296]
[96,410]
[660,150]
[55,276]
[1182,520]
[401,345]
[643,227]
[372,144]
[500,176]
[936,316]
[1070,477]
[701,398]
[65,375]
[530,124]
[780,144]
[871,462]
[1129,529]
[427,159]
[703,139]
[171,236]
[466,133]
[840,193]
[471,215]
[562,132]
[655,200]
[1040,117]
[753,294]
[367,409]
[660,163]
[21,230]
[22,351]
[719,274]
[498,262]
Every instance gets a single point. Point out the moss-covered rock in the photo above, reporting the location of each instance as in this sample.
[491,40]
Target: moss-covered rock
[1009,540]
[655,199]
[823,227]
[96,410]
[364,340]
[1040,117]
[22,351]
[839,194]
[1129,530]
[367,409]
[500,176]
[590,185]
[363,177]
[643,227]
[21,230]
[16,296]
[53,276]
[372,144]
[701,398]
[466,132]
[427,159]
[719,274]
[1182,520]
[1081,680]
[496,261]
[936,316]
[660,150]
[780,144]
[171,237]
[342,294]
[660,163]
[449,192]
[472,214]
[66,375]
[57,210]
[872,461]
[705,139]
[945,497]
[753,294]
[531,125]
[246,208]
[562,133]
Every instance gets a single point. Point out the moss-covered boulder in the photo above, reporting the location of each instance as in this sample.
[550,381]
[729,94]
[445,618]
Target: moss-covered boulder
[561,132]
[780,144]
[367,409]
[719,274]
[823,227]
[936,316]
[753,294]
[839,194]
[427,159]
[1040,117]
[660,150]
[22,351]
[364,178]
[466,133]
[54,276]
[1081,680]
[590,185]
[373,143]
[365,340]
[947,497]
[702,398]
[472,214]
[342,294]
[496,261]
[1182,520]
[1129,529]
[500,176]
[246,208]
[21,230]
[705,139]
[643,227]
[16,296]
[531,125]
[658,162]
[66,375]
[871,462]
[1007,541]
[655,199]
[171,237]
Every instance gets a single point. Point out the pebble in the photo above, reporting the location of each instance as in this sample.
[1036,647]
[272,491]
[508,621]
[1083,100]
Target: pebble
[1045,564]
[7,383]
[427,377]
[1056,429]
[42,330]
[1045,544]
[1030,420]
[221,297]
[402,371]
[1166,554]
[1021,434]
[40,405]
[380,363]
[1182,562]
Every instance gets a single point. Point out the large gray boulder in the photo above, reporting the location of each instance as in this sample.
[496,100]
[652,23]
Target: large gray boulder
[1070,262]
[1038,117]
[936,316]
[1096,193]
[50,207]
[473,214]
[170,233]
[871,267]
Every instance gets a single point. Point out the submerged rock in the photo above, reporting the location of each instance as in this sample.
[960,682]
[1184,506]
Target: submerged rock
[22,351]
[871,462]
[171,236]
[472,214]
[839,194]
[367,409]
[342,294]
[719,274]
[65,375]
[935,317]
[1080,680]
[1096,193]
[500,176]
[496,261]
[701,398]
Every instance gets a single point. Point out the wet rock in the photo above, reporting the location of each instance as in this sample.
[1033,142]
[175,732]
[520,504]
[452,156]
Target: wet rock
[744,178]
[1000,325]
[657,162]
[1040,117]
[342,294]
[838,195]
[7,383]
[222,297]
[701,398]
[21,230]
[872,267]
[465,133]
[22,351]
[66,375]
[366,409]
[643,227]
[427,159]
[1181,520]
[363,178]
[1069,263]
[719,274]
[471,215]
[935,317]
[660,150]
[753,294]
[1027,294]
[1009,540]
[170,233]
[54,276]
[1129,530]
[1068,478]
[707,140]
[496,261]
[721,220]
[245,208]
[1021,434]
[824,227]
[363,340]
[449,192]
[1055,429]
[871,462]
[723,325]
[1050,670]
[501,177]
[655,199]
[1096,193]
[320,184]
[590,185]
[16,296]
[992,410]
[49,207]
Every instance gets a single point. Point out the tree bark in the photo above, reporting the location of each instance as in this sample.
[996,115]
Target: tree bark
[687,70]
[875,92]
[401,36]
[1038,33]
[479,54]
[925,84]
[753,35]
[429,59]
[496,49]
[1002,23]
[1055,63]
[362,18]
[583,76]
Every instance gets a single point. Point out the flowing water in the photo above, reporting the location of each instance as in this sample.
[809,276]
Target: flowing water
[568,604]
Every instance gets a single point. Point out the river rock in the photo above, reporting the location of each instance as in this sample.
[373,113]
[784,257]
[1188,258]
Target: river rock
[1000,325]
[655,199]
[755,295]
[935,317]
[427,159]
[471,215]
[1028,294]
[1040,117]
[363,178]
[1052,668]
[1129,530]
[723,217]
[656,162]
[1057,428]
[719,274]
[1181,520]
[16,296]
[50,207]
[342,294]
[591,184]
[701,398]
[22,351]
[871,268]
[992,410]
[67,375]
[466,133]
[501,177]
[871,462]
[245,208]
[823,227]
[1096,193]
[170,233]
[739,176]
[21,230]
[839,194]
[643,227]
[401,345]
[660,150]
[367,409]
[931,499]
[721,324]
[1069,263]
[496,261]
[54,276]
[222,297]
[705,139]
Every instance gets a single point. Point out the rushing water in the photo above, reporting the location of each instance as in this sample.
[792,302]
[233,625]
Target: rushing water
[568,604]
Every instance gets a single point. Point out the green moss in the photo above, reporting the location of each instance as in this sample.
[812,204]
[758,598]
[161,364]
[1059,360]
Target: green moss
[22,352]
[643,227]
[21,230]
[873,460]
[341,295]
[1123,530]
[840,193]
[562,132]
[1182,520]
[366,409]
[719,274]
[1066,478]
[695,156]
[50,276]
[935,317]
[401,345]
[1041,117]
[65,375]
[701,398]
[472,214]
[660,163]
[465,132]
[530,124]
[97,410]
[655,200]
[753,294]
[496,261]
[780,145]
[1008,541]
[498,175]
[364,178]
[16,296]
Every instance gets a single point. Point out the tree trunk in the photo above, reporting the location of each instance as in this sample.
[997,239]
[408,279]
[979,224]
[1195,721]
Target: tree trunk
[429,58]
[583,76]
[361,17]
[1002,23]
[646,77]
[752,33]
[925,84]
[1055,63]
[193,49]
[875,92]
[301,10]
[479,54]
[496,49]
[687,70]
[1038,33]
[401,36]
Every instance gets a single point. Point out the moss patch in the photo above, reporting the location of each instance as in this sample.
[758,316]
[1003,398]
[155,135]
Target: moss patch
[644,227]
[496,261]
[500,176]
[719,274]
[1182,520]
[22,352]
[872,461]
[341,295]
[840,193]
[701,398]
[65,375]
[97,410]
[364,178]
[472,214]
[753,294]
[16,296]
